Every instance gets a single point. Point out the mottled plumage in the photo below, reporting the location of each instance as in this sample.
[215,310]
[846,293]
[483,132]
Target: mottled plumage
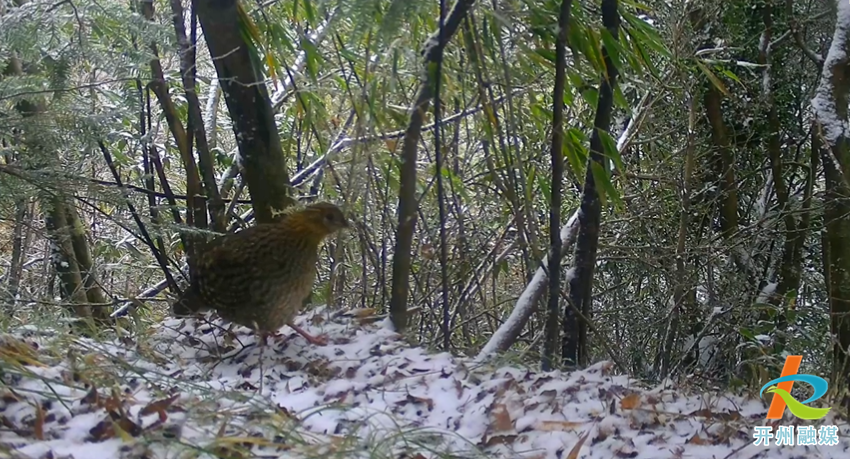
[260,277]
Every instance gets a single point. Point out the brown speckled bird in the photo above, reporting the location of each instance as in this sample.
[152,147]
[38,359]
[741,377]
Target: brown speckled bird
[261,276]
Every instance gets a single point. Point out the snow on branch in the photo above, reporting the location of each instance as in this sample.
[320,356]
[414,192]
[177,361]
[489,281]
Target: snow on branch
[527,302]
[835,65]
[507,333]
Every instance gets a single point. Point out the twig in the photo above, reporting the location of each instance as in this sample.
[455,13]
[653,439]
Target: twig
[157,253]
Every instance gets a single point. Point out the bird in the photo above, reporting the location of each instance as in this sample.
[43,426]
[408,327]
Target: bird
[261,276]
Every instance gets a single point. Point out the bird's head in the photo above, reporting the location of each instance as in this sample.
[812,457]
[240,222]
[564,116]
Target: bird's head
[320,219]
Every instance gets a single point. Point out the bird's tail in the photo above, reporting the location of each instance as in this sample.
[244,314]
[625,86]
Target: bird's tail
[188,304]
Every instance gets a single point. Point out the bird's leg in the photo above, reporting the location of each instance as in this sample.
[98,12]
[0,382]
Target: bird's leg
[264,336]
[315,340]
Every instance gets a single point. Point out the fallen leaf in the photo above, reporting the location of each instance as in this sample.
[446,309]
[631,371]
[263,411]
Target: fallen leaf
[92,397]
[102,431]
[38,426]
[159,406]
[360,313]
[500,418]
[500,440]
[630,401]
[558,426]
[126,429]
[574,452]
[414,399]
[697,440]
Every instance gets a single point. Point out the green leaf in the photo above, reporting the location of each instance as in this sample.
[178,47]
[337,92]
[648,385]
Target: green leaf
[313,58]
[646,34]
[612,47]
[731,76]
[574,156]
[547,54]
[609,147]
[603,182]
[590,95]
[619,98]
[545,186]
[309,12]
[713,78]
[746,333]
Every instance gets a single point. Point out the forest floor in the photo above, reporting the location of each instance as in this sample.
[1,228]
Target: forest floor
[170,394]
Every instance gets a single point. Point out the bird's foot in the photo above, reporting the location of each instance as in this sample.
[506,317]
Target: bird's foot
[320,340]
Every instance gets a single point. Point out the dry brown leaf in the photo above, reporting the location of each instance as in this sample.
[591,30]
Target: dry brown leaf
[558,426]
[159,406]
[370,319]
[92,397]
[505,386]
[697,440]
[127,429]
[391,144]
[38,426]
[9,398]
[112,404]
[14,350]
[360,313]
[459,388]
[414,399]
[630,401]
[574,452]
[500,440]
[500,419]
[708,414]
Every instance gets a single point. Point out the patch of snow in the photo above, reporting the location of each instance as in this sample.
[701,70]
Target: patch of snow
[189,386]
[767,292]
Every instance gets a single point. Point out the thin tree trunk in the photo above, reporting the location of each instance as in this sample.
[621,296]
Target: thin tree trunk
[550,342]
[197,216]
[18,251]
[407,203]
[63,256]
[205,157]
[680,291]
[574,348]
[85,263]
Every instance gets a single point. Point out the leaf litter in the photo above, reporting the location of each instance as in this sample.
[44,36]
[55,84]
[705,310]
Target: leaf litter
[194,388]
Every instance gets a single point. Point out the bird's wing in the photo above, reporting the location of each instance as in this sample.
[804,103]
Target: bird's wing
[227,266]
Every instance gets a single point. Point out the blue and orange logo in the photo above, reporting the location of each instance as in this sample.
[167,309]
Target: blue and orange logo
[781,388]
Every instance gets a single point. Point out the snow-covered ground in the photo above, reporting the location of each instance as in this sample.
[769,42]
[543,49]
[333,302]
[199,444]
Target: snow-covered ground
[366,394]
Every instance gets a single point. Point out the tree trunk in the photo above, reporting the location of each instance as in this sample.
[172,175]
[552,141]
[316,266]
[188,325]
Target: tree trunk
[574,347]
[18,251]
[85,264]
[831,112]
[407,203]
[63,257]
[224,23]
[550,342]
[71,254]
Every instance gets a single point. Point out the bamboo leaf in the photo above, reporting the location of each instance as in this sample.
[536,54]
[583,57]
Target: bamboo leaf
[713,78]
[609,147]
